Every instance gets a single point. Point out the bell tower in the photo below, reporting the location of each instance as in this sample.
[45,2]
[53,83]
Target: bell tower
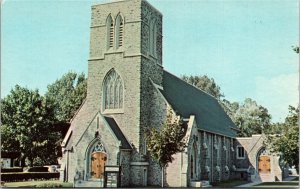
[125,60]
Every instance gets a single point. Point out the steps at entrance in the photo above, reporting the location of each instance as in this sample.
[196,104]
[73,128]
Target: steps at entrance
[200,184]
[89,183]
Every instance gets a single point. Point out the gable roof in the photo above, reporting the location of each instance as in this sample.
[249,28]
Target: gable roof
[118,133]
[188,100]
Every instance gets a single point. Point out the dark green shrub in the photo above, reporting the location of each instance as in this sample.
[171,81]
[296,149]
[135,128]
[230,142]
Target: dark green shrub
[13,177]
[11,169]
[38,169]
[49,185]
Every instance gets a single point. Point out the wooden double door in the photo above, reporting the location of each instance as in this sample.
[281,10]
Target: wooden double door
[264,164]
[98,161]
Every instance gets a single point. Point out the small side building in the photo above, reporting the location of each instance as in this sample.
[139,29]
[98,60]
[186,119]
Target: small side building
[255,161]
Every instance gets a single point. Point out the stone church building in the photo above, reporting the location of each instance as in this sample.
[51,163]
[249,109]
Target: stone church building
[128,91]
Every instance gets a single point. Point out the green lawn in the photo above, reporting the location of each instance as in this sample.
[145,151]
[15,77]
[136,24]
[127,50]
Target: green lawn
[39,184]
[230,183]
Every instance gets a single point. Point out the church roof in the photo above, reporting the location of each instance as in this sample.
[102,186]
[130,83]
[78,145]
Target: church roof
[188,100]
[118,133]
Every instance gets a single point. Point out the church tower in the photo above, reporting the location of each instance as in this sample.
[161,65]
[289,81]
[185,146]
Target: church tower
[125,61]
[125,57]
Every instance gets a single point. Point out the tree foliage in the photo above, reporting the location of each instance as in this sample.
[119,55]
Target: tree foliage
[27,120]
[67,94]
[204,83]
[163,143]
[285,139]
[296,49]
[251,118]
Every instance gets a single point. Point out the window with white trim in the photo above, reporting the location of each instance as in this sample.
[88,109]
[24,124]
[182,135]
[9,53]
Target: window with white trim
[240,152]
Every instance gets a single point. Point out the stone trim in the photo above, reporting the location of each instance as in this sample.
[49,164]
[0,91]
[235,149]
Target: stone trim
[124,56]
[137,163]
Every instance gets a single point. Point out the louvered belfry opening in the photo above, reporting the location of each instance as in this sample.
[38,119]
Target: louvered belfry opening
[111,35]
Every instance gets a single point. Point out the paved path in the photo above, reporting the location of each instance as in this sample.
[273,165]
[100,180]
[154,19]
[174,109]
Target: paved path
[248,184]
[258,182]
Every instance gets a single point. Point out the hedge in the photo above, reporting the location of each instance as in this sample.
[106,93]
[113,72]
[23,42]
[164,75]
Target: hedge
[11,169]
[38,169]
[14,177]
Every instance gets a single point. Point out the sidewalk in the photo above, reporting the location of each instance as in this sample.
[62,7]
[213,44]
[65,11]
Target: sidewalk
[248,184]
[290,178]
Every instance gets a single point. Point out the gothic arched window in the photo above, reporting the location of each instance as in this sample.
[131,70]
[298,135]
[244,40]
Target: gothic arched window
[152,37]
[113,91]
[119,31]
[194,159]
[110,32]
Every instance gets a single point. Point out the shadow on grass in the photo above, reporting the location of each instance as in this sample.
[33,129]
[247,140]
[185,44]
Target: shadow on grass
[229,183]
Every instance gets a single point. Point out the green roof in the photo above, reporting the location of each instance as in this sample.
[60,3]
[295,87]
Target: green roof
[188,100]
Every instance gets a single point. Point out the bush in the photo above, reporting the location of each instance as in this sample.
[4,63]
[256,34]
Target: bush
[13,177]
[49,185]
[11,169]
[38,169]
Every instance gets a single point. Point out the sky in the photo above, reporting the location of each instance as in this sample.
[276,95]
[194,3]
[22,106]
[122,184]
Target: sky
[246,46]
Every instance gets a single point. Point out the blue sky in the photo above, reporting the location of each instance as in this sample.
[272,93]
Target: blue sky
[244,45]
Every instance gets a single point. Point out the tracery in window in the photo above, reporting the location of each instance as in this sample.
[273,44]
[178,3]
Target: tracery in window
[119,31]
[110,32]
[113,91]
[98,147]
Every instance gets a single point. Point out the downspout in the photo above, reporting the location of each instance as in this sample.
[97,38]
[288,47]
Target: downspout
[67,167]
[211,159]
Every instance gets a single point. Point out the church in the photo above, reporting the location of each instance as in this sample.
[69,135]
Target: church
[129,91]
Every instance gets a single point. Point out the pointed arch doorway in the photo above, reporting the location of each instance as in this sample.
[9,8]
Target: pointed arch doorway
[98,160]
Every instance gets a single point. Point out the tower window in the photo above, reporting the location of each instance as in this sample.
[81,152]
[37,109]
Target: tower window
[113,91]
[119,31]
[110,32]
[153,38]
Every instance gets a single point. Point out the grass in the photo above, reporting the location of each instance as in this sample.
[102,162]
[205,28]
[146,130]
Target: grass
[230,183]
[32,184]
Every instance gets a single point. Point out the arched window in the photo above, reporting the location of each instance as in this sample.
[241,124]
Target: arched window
[194,159]
[152,38]
[113,91]
[110,32]
[119,31]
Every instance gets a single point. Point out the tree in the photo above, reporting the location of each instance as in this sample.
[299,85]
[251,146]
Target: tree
[67,94]
[27,120]
[296,49]
[163,143]
[204,83]
[230,108]
[286,140]
[251,118]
